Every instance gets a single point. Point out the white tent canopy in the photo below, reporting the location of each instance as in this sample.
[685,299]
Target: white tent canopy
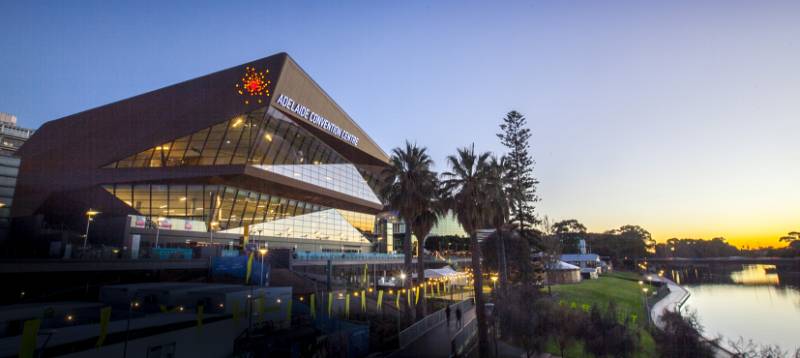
[443,272]
[561,265]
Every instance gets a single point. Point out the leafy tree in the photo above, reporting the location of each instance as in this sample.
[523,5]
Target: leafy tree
[408,186]
[431,210]
[498,210]
[793,239]
[681,337]
[465,188]
[524,317]
[607,336]
[570,226]
[627,243]
[569,232]
[515,135]
[568,325]
[448,242]
[716,247]
[519,266]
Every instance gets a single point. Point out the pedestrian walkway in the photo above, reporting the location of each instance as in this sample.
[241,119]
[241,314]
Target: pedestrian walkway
[672,302]
[436,342]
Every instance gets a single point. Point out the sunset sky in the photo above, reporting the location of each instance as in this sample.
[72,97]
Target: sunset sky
[679,116]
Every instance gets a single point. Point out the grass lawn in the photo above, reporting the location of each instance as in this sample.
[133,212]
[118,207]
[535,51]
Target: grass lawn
[620,287]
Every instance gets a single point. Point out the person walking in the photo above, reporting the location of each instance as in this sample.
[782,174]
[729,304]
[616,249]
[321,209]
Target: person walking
[447,314]
[458,317]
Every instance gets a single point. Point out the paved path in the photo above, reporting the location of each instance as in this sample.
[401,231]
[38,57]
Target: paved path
[435,343]
[672,302]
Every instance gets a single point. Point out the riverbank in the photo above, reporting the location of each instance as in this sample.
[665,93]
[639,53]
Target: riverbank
[623,289]
[672,302]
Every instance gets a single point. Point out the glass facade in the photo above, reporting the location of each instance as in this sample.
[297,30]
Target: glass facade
[329,224]
[342,178]
[265,139]
[261,137]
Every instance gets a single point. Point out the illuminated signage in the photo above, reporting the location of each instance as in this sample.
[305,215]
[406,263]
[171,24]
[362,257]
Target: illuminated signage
[253,85]
[316,119]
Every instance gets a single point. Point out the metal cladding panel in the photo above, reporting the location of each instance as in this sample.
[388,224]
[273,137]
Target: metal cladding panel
[66,155]
[298,86]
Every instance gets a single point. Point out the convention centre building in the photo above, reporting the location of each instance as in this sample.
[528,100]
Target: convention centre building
[254,153]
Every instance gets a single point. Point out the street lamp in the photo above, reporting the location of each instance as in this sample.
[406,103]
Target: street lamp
[90,214]
[263,252]
[158,227]
[494,282]
[403,278]
[646,305]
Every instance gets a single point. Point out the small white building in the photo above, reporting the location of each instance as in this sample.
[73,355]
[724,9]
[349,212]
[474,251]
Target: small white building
[562,272]
[590,264]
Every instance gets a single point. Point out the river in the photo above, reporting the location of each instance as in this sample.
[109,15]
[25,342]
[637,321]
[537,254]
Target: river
[756,302]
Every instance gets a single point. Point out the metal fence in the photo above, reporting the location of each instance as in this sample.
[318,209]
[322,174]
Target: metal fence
[416,330]
[322,256]
[464,338]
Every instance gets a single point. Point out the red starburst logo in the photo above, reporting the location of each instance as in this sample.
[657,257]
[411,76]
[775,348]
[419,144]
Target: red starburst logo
[254,85]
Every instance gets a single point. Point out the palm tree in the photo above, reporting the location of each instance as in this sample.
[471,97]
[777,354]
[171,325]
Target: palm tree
[406,190]
[499,210]
[465,187]
[421,227]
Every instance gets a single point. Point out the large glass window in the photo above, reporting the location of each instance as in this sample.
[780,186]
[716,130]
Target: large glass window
[229,209]
[259,137]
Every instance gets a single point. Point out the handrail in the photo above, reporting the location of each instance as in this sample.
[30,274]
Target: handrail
[416,330]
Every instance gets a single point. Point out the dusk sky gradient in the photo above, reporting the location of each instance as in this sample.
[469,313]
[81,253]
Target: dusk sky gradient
[679,116]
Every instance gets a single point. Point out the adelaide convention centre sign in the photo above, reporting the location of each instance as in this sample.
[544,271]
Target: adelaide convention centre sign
[316,119]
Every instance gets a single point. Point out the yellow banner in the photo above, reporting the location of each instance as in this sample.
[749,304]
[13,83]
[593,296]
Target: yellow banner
[364,300]
[347,306]
[249,269]
[313,306]
[27,346]
[397,300]
[105,317]
[330,303]
[408,296]
[416,296]
[380,299]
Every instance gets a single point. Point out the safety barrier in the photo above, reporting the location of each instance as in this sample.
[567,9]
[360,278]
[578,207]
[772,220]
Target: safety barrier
[464,338]
[322,256]
[416,330]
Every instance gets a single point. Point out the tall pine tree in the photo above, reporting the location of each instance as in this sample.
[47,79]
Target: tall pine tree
[514,135]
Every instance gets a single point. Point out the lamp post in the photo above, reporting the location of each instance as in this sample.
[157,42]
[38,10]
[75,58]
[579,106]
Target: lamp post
[263,252]
[403,279]
[131,306]
[90,214]
[646,305]
[494,282]
[158,227]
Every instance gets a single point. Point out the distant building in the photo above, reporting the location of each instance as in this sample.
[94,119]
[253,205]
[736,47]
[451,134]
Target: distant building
[561,272]
[251,154]
[11,138]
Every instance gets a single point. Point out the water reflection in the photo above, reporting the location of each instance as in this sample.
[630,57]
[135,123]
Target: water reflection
[759,302]
[756,275]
